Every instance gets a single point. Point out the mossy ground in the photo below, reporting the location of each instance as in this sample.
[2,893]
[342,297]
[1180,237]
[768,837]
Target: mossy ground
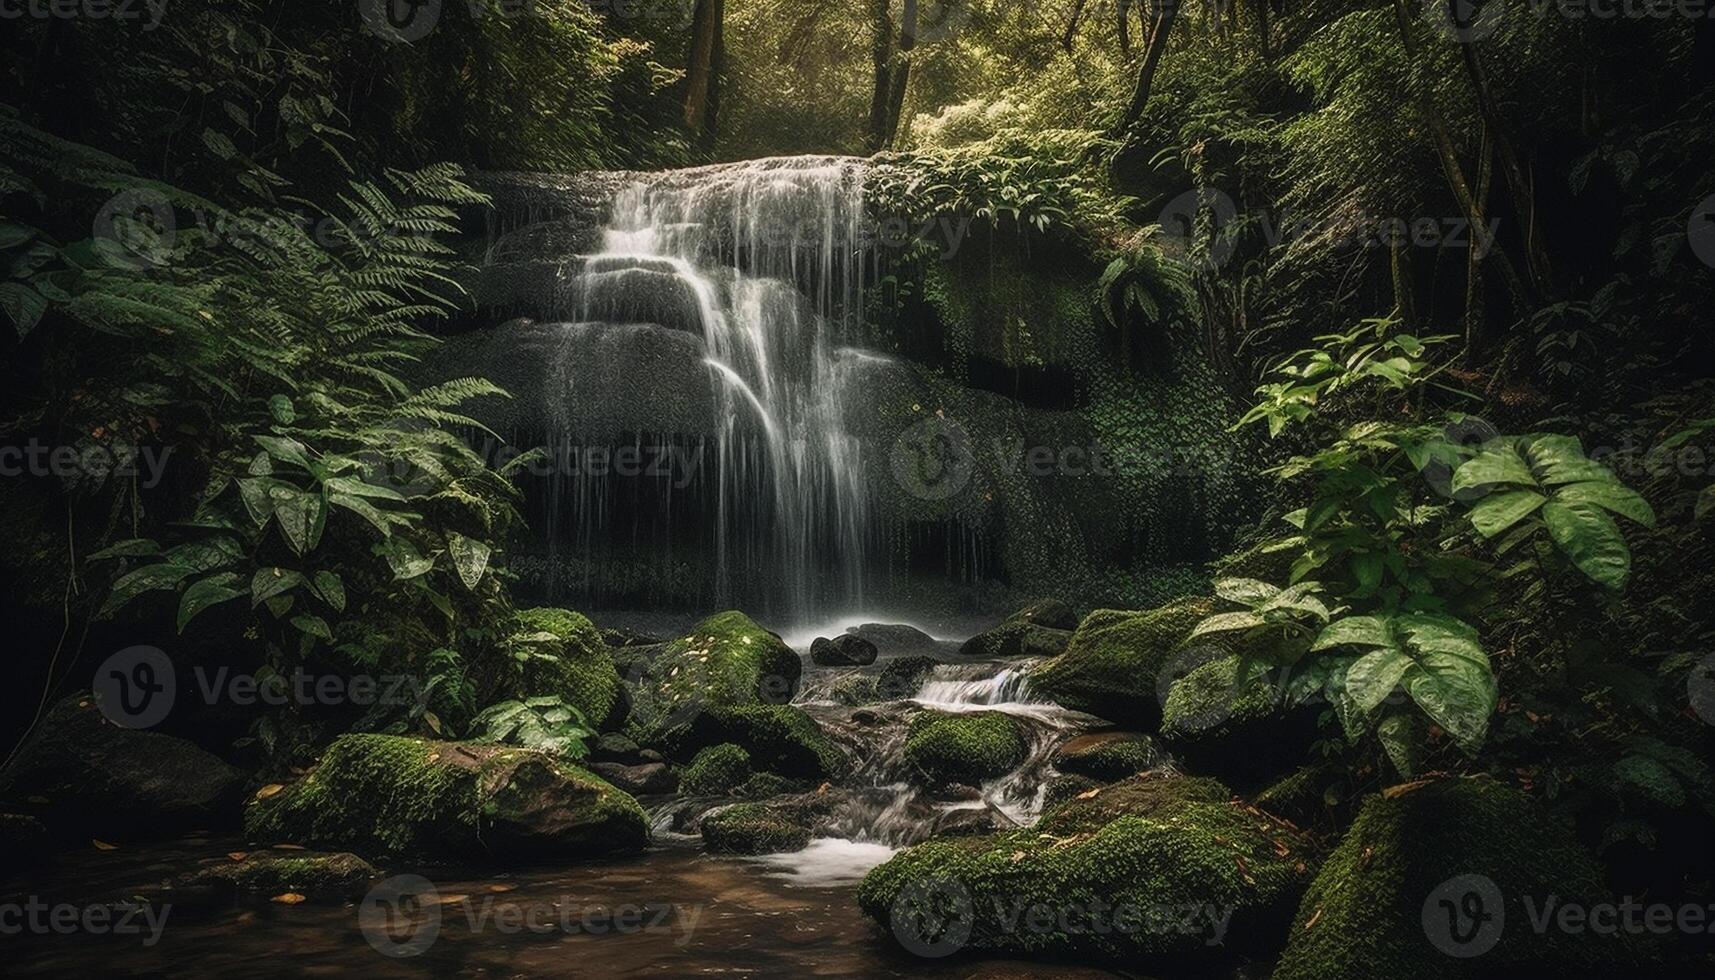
[716,769]
[964,748]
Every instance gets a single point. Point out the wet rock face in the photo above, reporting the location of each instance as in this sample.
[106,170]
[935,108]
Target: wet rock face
[896,639]
[84,776]
[1112,664]
[753,828]
[1017,638]
[1107,756]
[1051,613]
[963,748]
[383,795]
[846,650]
[645,779]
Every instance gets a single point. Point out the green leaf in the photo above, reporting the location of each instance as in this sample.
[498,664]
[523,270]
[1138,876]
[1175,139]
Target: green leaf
[23,305]
[1497,465]
[380,519]
[1358,631]
[207,592]
[404,559]
[257,492]
[1245,591]
[268,583]
[470,558]
[1560,459]
[329,586]
[206,555]
[1456,694]
[1499,511]
[1401,735]
[129,548]
[280,407]
[1591,539]
[1227,622]
[302,516]
[149,578]
[1609,495]
[285,450]
[313,626]
[1373,677]
[358,488]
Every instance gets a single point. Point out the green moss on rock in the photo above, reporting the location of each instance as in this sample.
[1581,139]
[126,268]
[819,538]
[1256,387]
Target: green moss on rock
[1107,756]
[564,656]
[327,876]
[726,661]
[902,678]
[963,748]
[1370,911]
[1113,660]
[717,769]
[1130,853]
[1241,734]
[752,828]
[779,738]
[386,795]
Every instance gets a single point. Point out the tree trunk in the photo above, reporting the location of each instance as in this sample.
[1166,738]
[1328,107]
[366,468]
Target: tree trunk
[1123,25]
[1264,26]
[1161,28]
[901,69]
[1071,34]
[881,55]
[703,73]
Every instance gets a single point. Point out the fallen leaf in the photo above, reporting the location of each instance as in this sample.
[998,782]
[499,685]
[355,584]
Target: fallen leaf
[1310,923]
[288,847]
[288,898]
[238,855]
[433,720]
[102,845]
[269,790]
[500,888]
[1090,794]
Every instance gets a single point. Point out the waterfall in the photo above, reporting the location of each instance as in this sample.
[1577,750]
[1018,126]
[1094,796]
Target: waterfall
[762,262]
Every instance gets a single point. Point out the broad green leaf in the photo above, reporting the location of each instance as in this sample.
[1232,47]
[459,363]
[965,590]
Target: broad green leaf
[1560,460]
[285,450]
[1609,495]
[206,555]
[313,626]
[1245,591]
[257,492]
[280,407]
[146,579]
[1496,465]
[1373,677]
[358,488]
[269,583]
[331,588]
[1591,539]
[1360,631]
[207,592]
[380,519]
[23,305]
[1227,622]
[404,559]
[302,516]
[1367,570]
[1499,511]
[1401,735]
[470,558]
[1456,694]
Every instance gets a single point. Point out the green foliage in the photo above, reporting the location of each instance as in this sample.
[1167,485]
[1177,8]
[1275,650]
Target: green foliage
[547,724]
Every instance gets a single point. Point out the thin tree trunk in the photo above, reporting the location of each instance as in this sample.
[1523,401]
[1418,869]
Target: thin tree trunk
[901,68]
[1123,25]
[1161,28]
[881,55]
[702,77]
[1072,26]
[1264,26]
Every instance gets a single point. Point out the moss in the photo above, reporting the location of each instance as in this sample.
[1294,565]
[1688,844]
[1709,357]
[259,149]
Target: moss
[1147,845]
[1063,788]
[963,748]
[1301,795]
[726,661]
[1111,665]
[765,784]
[780,738]
[752,828]
[1108,756]
[333,876]
[902,678]
[388,795]
[1243,735]
[566,657]
[858,689]
[716,769]
[1364,916]
[1016,638]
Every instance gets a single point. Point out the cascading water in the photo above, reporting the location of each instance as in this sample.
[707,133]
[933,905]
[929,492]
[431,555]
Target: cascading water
[763,262]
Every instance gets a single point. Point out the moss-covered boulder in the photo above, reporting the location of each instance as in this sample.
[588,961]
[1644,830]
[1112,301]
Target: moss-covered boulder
[1112,662]
[855,690]
[845,650]
[1440,881]
[1107,756]
[1017,638]
[1159,872]
[726,661]
[316,875]
[1051,613]
[563,655]
[383,795]
[753,828]
[83,776]
[902,678]
[963,748]
[778,737]
[717,769]
[1240,733]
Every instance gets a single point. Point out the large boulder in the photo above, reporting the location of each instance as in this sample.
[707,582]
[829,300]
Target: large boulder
[1244,734]
[896,639]
[382,795]
[1017,638]
[779,738]
[753,828]
[81,775]
[562,654]
[845,650]
[717,769]
[643,779]
[1449,880]
[1111,665]
[726,661]
[1160,872]
[966,748]
[1051,613]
